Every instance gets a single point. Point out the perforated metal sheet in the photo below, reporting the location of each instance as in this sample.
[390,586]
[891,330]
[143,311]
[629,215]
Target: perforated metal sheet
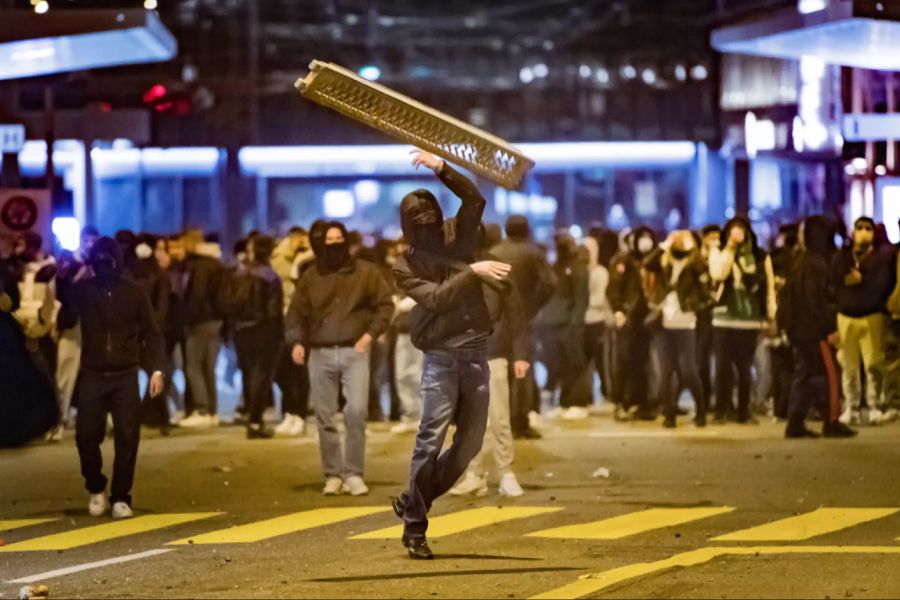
[413,122]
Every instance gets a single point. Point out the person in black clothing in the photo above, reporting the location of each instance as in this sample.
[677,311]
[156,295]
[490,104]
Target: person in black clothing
[864,279]
[340,306]
[119,333]
[709,238]
[451,324]
[535,282]
[806,311]
[258,331]
[561,331]
[626,297]
[781,354]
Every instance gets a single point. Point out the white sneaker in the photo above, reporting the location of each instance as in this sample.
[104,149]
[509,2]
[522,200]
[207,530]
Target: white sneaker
[555,413]
[177,417]
[875,416]
[355,486]
[56,434]
[299,426]
[98,504]
[471,484]
[890,414]
[575,413]
[509,486]
[534,420]
[406,426]
[197,421]
[284,428]
[333,487]
[121,510]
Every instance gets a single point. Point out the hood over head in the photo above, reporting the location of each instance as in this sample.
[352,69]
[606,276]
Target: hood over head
[106,258]
[817,235]
[317,236]
[637,234]
[422,220]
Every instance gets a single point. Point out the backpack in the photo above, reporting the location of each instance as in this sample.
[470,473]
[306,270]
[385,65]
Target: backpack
[240,298]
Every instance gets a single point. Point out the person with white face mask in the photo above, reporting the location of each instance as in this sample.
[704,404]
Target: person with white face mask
[676,292]
[864,279]
[629,307]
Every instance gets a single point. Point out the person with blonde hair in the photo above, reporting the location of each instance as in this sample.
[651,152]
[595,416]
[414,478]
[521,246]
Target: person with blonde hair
[675,293]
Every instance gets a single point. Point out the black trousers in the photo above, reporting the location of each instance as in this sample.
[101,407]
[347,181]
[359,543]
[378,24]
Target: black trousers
[815,383]
[704,336]
[782,378]
[676,349]
[293,381]
[100,394]
[734,350]
[259,347]
[632,366]
[598,347]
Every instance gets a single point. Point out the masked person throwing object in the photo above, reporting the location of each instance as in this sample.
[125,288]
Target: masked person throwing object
[451,324]
[119,334]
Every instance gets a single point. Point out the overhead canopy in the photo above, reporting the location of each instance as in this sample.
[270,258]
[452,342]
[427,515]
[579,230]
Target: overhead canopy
[75,40]
[855,33]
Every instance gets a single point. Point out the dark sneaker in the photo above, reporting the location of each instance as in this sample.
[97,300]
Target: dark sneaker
[417,547]
[669,423]
[528,434]
[258,433]
[399,506]
[700,420]
[645,414]
[836,429]
[800,433]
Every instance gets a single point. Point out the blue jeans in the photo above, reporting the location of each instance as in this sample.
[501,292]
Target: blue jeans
[332,370]
[455,389]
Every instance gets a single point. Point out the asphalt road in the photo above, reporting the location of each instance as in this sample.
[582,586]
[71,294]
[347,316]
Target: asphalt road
[797,519]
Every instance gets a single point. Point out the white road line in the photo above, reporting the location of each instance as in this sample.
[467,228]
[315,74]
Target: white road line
[88,566]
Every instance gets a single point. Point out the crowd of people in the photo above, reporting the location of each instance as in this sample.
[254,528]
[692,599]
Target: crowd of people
[807,329]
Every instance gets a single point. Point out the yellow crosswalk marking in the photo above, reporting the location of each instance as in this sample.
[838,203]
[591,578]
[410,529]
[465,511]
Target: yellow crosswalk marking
[10,524]
[262,530]
[631,524]
[104,532]
[809,525]
[592,583]
[462,521]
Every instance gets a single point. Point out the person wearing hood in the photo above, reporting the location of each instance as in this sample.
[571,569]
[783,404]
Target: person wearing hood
[535,281]
[290,255]
[626,298]
[745,290]
[807,313]
[561,332]
[451,324]
[676,292]
[340,306]
[864,279]
[119,334]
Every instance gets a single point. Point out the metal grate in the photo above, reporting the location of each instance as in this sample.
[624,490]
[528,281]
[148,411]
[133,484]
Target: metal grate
[413,122]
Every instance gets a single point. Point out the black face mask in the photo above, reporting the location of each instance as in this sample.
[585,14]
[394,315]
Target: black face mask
[105,268]
[680,254]
[429,237]
[335,255]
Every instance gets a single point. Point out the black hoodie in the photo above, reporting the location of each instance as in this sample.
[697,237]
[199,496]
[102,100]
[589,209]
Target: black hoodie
[450,310]
[118,328]
[807,304]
